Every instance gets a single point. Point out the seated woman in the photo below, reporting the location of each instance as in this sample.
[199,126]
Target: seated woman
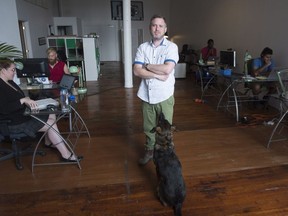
[13,105]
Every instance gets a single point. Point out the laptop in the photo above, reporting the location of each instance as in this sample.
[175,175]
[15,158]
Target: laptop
[43,80]
[273,75]
[43,103]
[67,81]
[53,91]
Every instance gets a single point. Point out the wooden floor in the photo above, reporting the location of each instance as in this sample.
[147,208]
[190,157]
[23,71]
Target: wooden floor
[227,168]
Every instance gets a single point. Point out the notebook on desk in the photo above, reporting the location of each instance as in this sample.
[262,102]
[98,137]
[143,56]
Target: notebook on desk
[43,103]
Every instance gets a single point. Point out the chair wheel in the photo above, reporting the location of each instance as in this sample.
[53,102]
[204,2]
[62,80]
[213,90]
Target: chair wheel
[19,167]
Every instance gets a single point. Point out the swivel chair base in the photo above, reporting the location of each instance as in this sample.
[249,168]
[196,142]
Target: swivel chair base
[16,152]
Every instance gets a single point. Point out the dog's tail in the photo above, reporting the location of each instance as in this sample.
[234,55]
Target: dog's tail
[178,209]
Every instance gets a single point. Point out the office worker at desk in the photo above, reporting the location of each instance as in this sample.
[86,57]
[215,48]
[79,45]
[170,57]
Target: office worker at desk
[57,68]
[262,66]
[209,52]
[12,106]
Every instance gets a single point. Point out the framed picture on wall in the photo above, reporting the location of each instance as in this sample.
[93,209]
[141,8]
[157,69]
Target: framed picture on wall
[41,41]
[136,10]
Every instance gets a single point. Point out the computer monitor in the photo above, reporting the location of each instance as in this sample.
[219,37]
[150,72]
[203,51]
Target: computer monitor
[228,58]
[33,68]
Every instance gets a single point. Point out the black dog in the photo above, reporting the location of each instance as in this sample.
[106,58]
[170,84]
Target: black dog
[171,187]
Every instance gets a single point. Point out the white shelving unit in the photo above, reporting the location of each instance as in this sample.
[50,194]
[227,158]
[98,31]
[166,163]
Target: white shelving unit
[82,52]
[91,58]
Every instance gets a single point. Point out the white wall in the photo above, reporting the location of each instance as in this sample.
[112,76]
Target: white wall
[38,19]
[241,25]
[9,24]
[96,17]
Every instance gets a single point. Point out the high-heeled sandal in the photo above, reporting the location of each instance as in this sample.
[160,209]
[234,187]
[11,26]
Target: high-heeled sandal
[71,160]
[50,146]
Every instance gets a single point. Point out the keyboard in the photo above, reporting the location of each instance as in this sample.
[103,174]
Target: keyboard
[42,104]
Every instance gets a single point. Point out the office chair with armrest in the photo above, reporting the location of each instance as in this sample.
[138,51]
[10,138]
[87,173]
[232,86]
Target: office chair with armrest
[250,66]
[14,139]
[282,97]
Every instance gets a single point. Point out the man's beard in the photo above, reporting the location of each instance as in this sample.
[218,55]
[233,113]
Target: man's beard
[52,61]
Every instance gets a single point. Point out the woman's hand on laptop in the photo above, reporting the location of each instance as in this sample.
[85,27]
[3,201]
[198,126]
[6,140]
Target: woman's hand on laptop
[29,102]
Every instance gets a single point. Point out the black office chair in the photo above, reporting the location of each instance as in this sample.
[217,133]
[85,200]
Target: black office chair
[14,140]
[250,66]
[62,56]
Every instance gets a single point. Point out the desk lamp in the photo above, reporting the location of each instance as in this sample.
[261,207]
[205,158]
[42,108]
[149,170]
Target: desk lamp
[247,57]
[76,69]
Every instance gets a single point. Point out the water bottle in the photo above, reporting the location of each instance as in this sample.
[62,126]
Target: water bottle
[64,100]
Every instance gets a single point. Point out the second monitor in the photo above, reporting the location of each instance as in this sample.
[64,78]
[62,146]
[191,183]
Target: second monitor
[228,58]
[33,68]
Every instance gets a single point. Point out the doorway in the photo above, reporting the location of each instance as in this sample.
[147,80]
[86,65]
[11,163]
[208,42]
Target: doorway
[24,37]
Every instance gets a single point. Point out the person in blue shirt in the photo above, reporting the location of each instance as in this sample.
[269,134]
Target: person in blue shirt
[262,66]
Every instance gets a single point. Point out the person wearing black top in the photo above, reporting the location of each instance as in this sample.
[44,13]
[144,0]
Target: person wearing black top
[12,106]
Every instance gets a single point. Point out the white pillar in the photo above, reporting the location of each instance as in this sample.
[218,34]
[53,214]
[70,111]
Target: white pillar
[127,44]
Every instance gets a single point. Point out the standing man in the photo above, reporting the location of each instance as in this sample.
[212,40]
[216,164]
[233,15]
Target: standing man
[57,68]
[154,63]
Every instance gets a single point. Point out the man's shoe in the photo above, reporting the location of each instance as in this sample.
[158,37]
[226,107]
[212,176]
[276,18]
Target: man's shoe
[147,157]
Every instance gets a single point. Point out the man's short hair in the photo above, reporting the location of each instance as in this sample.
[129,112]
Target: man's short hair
[266,51]
[158,16]
[210,41]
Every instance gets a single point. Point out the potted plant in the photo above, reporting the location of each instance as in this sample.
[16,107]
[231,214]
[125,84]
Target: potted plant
[10,52]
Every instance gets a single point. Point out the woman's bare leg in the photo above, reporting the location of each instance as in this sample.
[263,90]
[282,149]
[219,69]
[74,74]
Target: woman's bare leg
[55,138]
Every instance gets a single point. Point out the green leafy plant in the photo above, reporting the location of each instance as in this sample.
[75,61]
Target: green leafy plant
[9,51]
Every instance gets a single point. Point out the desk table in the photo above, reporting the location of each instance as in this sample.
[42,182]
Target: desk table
[78,127]
[203,70]
[214,85]
[234,96]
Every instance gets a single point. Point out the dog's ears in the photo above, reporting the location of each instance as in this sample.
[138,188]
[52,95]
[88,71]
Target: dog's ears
[157,146]
[156,129]
[173,128]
